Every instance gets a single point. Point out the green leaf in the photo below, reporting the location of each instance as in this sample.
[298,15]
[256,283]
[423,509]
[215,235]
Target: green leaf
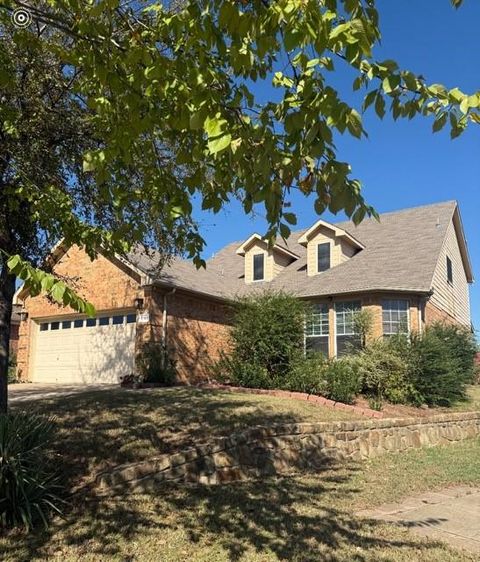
[220,143]
[380,106]
[354,123]
[90,310]
[196,121]
[58,291]
[291,218]
[440,122]
[213,126]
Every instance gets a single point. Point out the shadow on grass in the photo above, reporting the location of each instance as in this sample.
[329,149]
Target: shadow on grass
[103,428]
[300,519]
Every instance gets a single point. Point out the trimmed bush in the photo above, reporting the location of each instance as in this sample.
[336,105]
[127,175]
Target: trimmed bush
[29,487]
[384,373]
[232,370]
[307,374]
[343,380]
[266,337]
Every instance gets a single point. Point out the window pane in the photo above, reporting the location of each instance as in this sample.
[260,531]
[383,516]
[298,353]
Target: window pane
[347,344]
[117,320]
[395,316]
[131,318]
[317,344]
[104,321]
[258,267]
[66,324]
[54,325]
[317,321]
[449,270]
[91,322]
[323,257]
[345,314]
[78,324]
[44,327]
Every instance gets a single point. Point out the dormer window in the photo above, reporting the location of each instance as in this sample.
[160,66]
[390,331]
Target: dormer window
[323,257]
[258,267]
[327,246]
[263,261]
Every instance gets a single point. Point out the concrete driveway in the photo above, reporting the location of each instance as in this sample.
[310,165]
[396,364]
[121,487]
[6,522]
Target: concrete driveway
[19,393]
[451,515]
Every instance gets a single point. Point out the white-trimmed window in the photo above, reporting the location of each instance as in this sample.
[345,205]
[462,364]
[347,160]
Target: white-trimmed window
[347,338]
[395,316]
[317,329]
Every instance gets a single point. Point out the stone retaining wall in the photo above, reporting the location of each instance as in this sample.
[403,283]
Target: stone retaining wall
[288,449]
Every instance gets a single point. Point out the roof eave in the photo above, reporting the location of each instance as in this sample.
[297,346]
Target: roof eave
[467,264]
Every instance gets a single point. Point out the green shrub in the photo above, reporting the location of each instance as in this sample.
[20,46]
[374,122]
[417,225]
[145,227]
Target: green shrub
[384,372]
[437,368]
[266,339]
[460,345]
[231,370]
[29,488]
[343,380]
[154,365]
[307,374]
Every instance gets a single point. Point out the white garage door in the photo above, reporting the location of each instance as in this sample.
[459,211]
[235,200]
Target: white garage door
[79,350]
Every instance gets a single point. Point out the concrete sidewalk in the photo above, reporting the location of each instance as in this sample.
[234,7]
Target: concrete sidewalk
[451,515]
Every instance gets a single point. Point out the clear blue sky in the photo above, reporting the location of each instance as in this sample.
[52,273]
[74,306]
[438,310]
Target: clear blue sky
[404,164]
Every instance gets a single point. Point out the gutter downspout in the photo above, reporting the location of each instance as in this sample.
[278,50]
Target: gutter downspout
[421,310]
[164,327]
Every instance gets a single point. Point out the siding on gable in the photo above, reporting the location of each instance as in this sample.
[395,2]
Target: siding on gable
[274,261]
[259,247]
[340,250]
[454,299]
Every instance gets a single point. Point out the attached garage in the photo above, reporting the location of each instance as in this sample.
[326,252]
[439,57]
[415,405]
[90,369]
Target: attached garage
[84,350]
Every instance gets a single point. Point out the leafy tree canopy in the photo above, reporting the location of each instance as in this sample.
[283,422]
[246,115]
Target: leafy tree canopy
[169,96]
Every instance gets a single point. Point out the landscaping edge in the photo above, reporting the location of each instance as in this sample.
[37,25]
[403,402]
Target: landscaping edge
[312,398]
[288,449]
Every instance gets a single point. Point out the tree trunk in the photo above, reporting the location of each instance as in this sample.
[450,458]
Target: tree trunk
[7,290]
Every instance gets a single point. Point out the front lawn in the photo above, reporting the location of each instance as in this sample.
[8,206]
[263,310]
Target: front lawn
[103,428]
[302,519]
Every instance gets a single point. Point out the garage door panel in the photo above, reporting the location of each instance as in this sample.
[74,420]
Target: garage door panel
[100,353]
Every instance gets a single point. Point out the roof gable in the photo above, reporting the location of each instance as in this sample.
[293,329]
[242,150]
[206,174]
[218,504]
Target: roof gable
[337,231]
[256,238]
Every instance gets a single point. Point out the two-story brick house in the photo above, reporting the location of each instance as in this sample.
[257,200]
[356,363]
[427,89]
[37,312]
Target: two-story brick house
[410,268]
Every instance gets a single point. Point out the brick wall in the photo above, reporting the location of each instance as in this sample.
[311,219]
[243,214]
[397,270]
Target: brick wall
[434,314]
[14,330]
[197,331]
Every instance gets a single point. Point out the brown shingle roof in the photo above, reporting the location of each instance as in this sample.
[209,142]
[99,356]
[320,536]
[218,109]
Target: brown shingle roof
[401,253]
